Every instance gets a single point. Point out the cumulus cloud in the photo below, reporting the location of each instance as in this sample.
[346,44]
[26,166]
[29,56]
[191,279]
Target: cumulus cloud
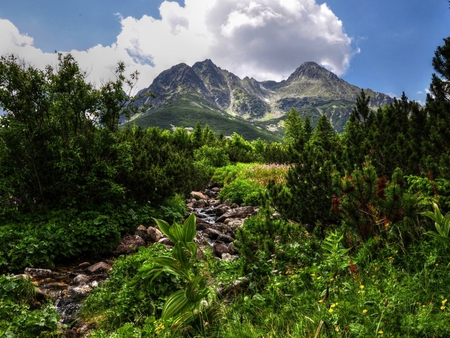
[264,39]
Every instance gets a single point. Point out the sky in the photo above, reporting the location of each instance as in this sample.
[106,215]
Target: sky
[384,45]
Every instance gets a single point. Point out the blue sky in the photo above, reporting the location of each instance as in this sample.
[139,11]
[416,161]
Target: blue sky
[383,45]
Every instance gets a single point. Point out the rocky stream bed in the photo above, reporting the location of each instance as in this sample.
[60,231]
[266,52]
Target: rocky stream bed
[68,285]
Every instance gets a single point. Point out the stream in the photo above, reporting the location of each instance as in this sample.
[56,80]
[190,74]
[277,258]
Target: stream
[68,285]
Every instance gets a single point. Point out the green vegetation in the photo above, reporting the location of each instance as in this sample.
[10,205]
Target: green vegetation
[351,237]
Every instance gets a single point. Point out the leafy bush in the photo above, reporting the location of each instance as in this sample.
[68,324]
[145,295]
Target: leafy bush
[16,317]
[128,296]
[242,192]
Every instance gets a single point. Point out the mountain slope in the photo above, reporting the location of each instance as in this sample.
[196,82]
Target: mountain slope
[311,89]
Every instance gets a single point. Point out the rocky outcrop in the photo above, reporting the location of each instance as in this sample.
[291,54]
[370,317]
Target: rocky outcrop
[217,221]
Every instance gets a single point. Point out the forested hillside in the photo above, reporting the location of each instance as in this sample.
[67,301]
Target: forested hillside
[351,238]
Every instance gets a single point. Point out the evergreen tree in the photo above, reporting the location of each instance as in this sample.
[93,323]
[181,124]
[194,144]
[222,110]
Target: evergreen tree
[308,192]
[438,108]
[356,143]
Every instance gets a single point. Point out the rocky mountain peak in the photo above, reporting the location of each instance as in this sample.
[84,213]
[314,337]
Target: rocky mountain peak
[311,70]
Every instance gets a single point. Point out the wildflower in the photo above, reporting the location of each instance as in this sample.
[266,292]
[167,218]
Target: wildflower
[320,300]
[330,310]
[442,307]
[333,305]
[444,301]
[361,286]
[364,311]
[336,329]
[319,277]
[380,332]
[313,274]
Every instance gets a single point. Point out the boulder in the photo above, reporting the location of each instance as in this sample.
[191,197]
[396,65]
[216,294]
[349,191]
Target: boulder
[166,241]
[201,203]
[154,234]
[38,273]
[220,249]
[141,231]
[198,195]
[99,268]
[201,224]
[212,233]
[129,244]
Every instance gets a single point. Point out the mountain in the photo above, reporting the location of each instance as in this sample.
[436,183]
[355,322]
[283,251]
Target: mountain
[206,93]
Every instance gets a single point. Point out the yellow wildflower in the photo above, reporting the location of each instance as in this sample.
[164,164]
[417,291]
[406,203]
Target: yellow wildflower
[380,332]
[444,301]
[442,307]
[330,310]
[361,286]
[364,311]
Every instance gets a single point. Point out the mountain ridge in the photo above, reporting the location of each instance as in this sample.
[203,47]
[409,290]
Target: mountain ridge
[311,89]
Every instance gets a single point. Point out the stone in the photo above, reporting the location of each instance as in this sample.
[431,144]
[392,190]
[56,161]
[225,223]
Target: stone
[201,224]
[199,204]
[38,273]
[198,195]
[211,233]
[100,267]
[225,238]
[221,209]
[129,244]
[81,279]
[154,234]
[84,265]
[220,249]
[141,231]
[166,241]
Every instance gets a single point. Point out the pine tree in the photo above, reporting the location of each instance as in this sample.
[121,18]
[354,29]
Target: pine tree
[438,108]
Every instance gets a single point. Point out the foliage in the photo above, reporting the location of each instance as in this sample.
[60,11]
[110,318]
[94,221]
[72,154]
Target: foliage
[17,295]
[190,301]
[128,297]
[441,223]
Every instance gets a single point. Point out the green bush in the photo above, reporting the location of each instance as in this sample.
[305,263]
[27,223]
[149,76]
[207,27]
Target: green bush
[128,296]
[16,317]
[242,192]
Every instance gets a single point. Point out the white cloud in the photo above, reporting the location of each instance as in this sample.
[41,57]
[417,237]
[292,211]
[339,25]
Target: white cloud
[264,39]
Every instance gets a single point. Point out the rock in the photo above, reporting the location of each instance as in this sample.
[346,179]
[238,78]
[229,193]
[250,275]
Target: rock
[38,273]
[198,195]
[199,204]
[240,212]
[227,257]
[81,279]
[220,249]
[129,244]
[212,233]
[166,241]
[100,267]
[221,209]
[154,234]
[201,224]
[225,238]
[84,265]
[141,231]
[216,189]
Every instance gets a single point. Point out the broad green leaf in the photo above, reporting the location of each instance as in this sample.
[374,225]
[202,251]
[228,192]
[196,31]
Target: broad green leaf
[177,303]
[189,229]
[176,232]
[180,255]
[165,228]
